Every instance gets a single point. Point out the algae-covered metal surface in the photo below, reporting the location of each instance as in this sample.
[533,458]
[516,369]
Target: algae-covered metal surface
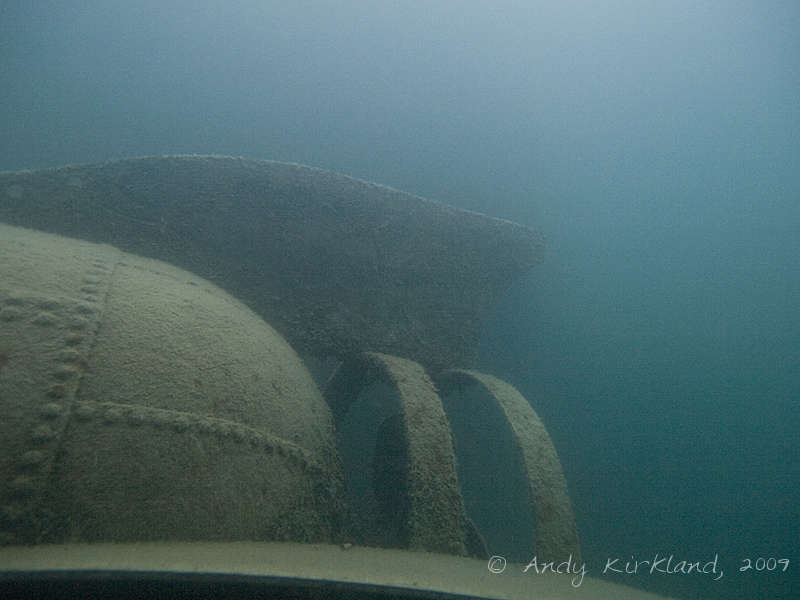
[556,533]
[141,402]
[430,514]
[334,263]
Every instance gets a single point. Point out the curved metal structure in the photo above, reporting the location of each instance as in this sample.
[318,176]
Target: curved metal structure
[426,510]
[335,264]
[143,402]
[556,534]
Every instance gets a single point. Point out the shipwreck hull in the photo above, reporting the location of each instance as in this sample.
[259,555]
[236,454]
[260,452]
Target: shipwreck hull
[336,264]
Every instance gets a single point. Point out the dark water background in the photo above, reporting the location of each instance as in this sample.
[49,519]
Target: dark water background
[655,144]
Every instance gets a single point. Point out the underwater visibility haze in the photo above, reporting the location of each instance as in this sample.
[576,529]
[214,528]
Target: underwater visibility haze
[654,145]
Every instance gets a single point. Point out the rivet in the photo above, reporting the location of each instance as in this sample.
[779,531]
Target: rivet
[10,314]
[64,373]
[86,309]
[84,411]
[49,304]
[12,513]
[23,486]
[45,319]
[43,433]
[68,356]
[112,415]
[73,339]
[78,324]
[180,423]
[31,458]
[159,419]
[51,410]
[222,429]
[135,417]
[57,390]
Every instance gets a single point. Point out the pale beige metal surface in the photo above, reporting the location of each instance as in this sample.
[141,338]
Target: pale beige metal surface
[141,402]
[406,569]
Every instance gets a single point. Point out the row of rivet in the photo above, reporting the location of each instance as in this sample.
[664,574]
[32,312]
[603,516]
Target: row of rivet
[109,413]
[34,463]
[41,312]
